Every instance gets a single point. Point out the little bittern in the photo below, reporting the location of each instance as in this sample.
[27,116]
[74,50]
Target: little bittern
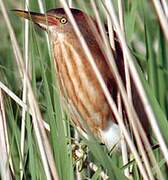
[78,83]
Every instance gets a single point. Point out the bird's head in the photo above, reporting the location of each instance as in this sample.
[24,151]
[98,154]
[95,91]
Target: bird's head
[54,21]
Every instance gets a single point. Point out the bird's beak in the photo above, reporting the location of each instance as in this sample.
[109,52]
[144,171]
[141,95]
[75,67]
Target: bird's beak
[42,20]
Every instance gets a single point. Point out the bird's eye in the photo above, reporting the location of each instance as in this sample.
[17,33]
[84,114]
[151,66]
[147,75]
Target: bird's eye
[63,20]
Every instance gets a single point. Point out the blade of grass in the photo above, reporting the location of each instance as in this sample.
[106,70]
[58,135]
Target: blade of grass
[162,77]
[58,131]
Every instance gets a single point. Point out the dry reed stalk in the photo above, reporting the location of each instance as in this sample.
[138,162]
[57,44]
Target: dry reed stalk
[162,17]
[150,114]
[43,144]
[106,92]
[24,93]
[5,160]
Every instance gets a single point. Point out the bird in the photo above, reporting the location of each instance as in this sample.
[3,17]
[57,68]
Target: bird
[79,86]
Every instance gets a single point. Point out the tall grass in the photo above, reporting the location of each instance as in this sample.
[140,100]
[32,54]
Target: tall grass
[37,137]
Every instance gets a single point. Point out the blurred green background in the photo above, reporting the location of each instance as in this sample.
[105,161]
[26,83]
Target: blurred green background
[147,44]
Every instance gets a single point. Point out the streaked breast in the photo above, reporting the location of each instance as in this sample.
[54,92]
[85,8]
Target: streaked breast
[79,85]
